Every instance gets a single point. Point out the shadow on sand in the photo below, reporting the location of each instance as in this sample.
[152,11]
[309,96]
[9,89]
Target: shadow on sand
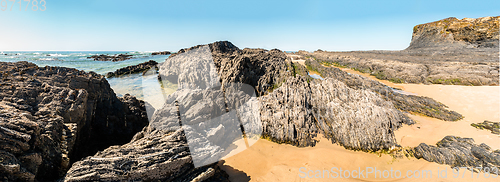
[234,174]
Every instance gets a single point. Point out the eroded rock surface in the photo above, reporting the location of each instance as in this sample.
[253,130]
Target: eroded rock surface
[162,151]
[358,119]
[260,68]
[52,116]
[459,152]
[409,103]
[158,155]
[494,127]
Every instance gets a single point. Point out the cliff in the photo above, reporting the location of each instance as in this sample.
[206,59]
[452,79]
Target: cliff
[453,32]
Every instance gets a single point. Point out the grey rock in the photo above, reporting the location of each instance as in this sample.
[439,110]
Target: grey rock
[458,152]
[494,127]
[409,103]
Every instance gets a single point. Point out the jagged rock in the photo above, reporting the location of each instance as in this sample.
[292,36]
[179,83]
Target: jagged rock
[114,58]
[290,113]
[161,53]
[133,69]
[347,109]
[358,119]
[287,115]
[494,127]
[409,103]
[161,151]
[52,116]
[458,152]
[257,67]
[160,155]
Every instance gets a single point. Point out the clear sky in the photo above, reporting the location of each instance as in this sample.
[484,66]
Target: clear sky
[171,25]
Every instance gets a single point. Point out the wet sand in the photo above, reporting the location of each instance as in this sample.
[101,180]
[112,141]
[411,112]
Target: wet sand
[268,161]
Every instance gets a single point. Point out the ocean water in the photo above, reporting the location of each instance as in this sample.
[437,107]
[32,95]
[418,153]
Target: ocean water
[134,84]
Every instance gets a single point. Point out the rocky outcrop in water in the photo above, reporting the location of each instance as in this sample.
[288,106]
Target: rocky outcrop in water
[114,58]
[133,69]
[459,152]
[161,53]
[494,127]
[52,116]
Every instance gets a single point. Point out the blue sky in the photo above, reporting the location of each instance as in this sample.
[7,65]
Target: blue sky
[171,25]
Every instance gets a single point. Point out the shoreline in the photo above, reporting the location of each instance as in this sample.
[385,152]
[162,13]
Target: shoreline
[281,162]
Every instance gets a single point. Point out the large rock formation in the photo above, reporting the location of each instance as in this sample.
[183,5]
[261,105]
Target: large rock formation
[52,116]
[459,152]
[260,68]
[358,119]
[293,109]
[453,32]
[409,103]
[211,109]
[162,151]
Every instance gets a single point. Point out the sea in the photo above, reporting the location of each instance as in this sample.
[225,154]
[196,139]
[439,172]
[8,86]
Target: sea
[134,84]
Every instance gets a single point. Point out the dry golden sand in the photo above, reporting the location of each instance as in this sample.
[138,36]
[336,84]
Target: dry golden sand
[475,103]
[268,161]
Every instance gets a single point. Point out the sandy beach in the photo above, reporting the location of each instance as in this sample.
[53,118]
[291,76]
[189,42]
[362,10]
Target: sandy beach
[268,161]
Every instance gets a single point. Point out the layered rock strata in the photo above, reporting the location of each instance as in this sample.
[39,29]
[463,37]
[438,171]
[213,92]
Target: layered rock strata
[52,116]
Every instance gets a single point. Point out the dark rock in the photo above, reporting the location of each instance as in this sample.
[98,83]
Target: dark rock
[494,127]
[161,151]
[263,69]
[52,116]
[161,53]
[458,152]
[160,155]
[133,69]
[114,58]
